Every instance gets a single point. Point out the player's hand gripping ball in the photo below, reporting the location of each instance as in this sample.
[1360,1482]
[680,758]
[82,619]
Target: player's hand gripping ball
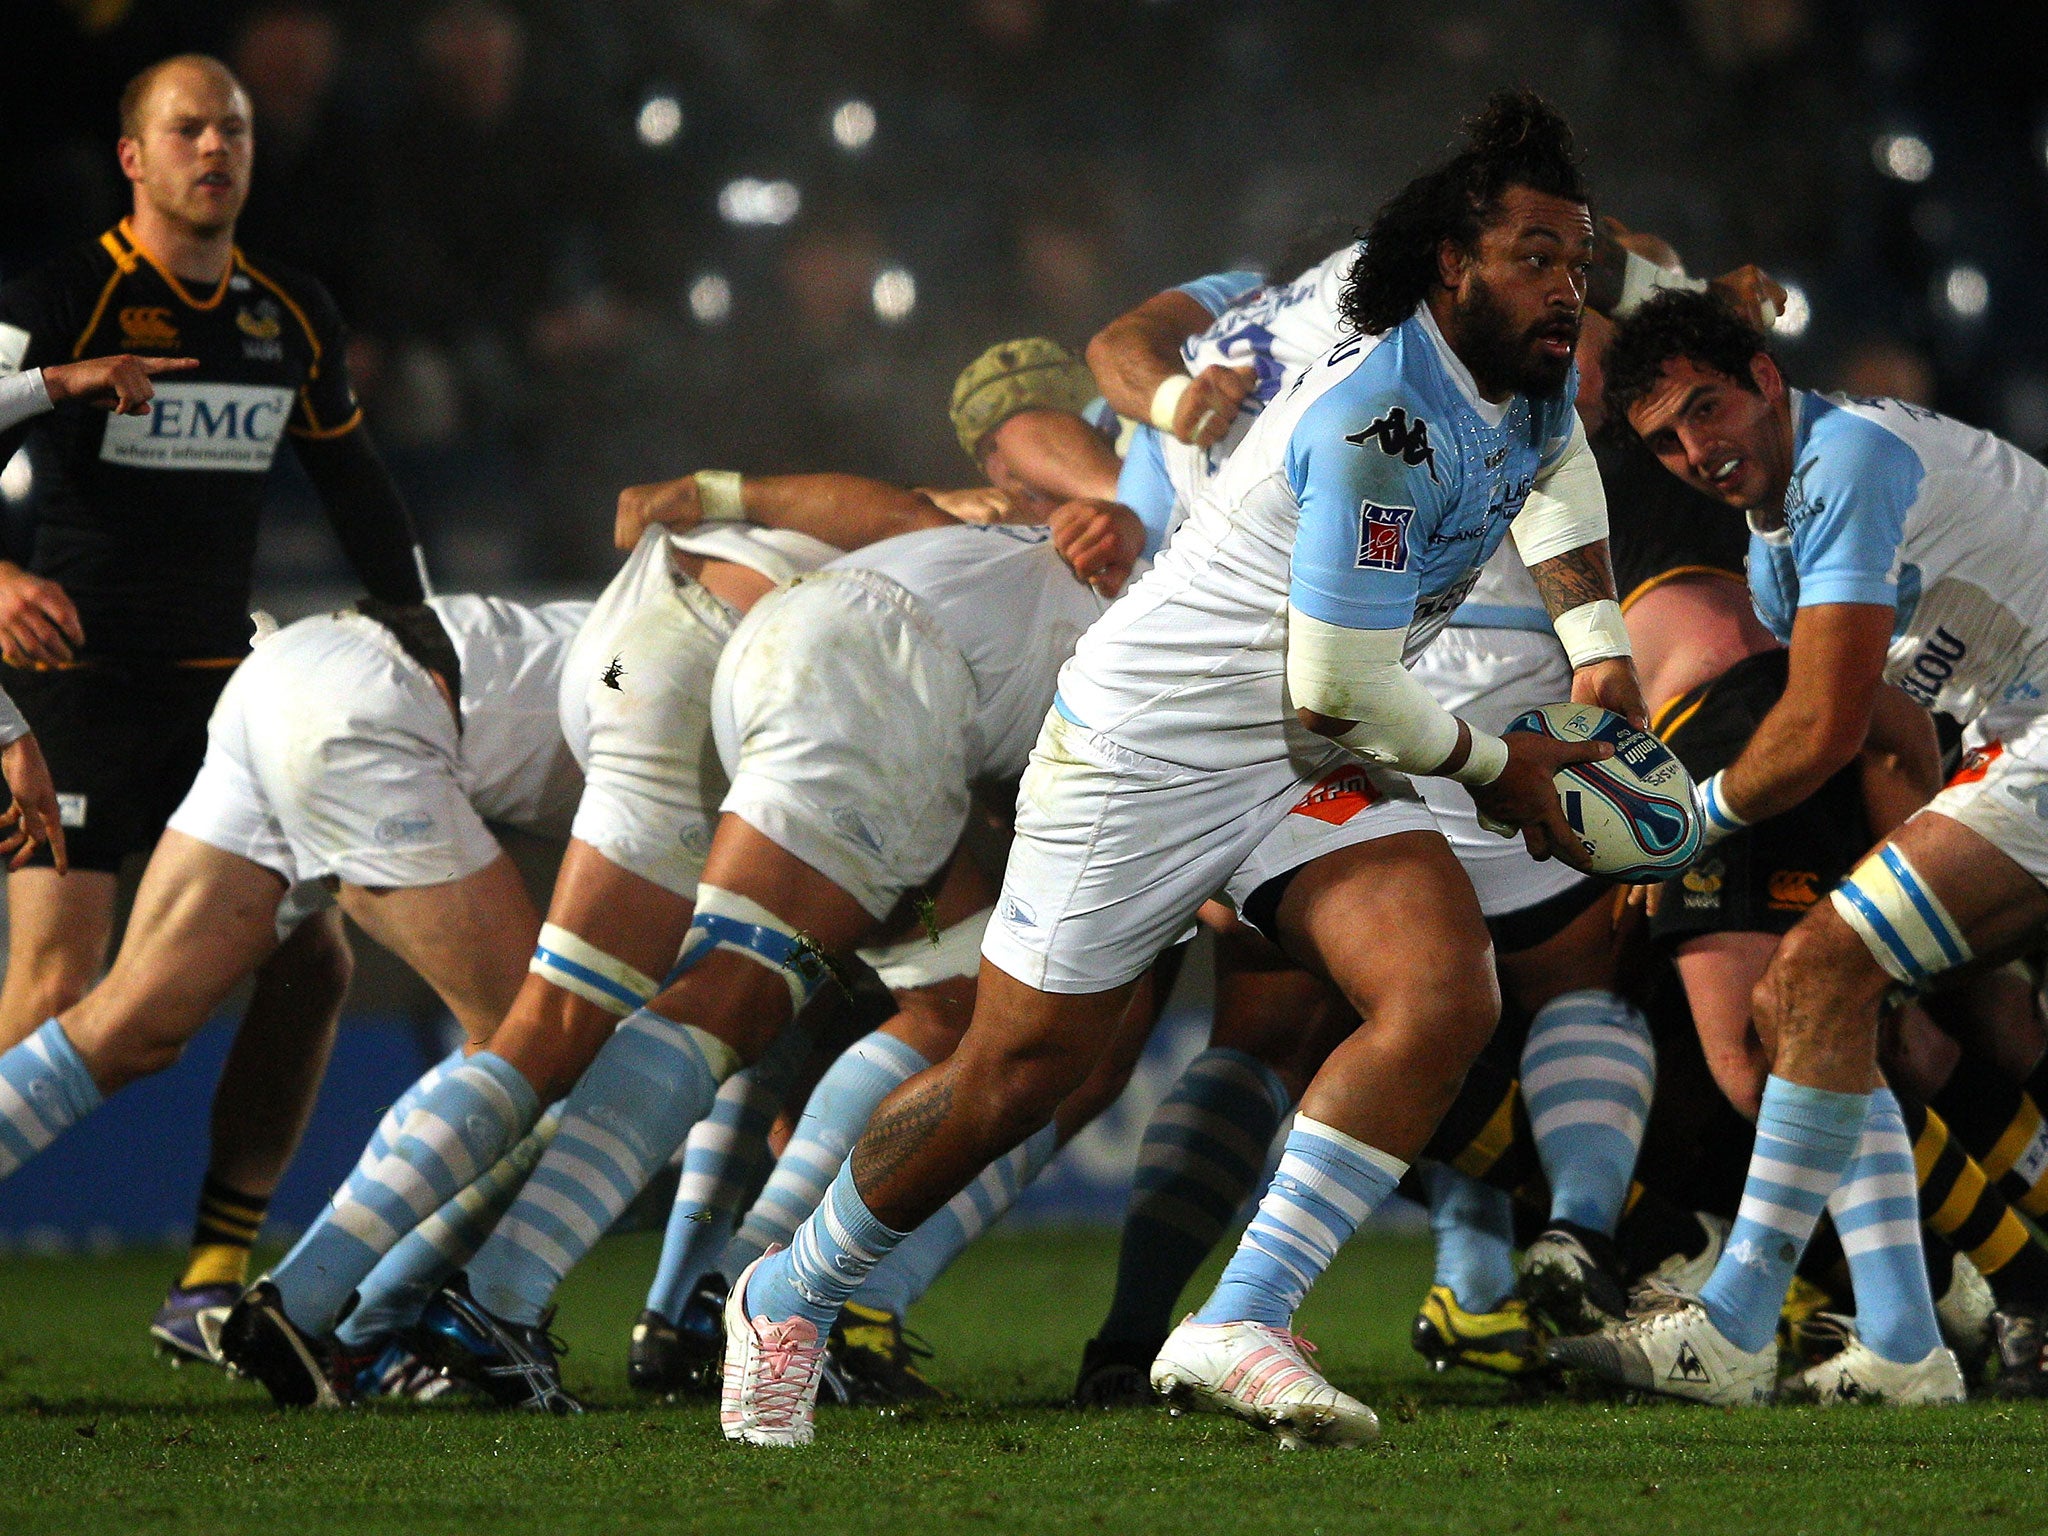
[1632,812]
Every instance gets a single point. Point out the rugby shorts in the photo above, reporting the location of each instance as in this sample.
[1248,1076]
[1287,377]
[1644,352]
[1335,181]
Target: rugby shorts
[2001,791]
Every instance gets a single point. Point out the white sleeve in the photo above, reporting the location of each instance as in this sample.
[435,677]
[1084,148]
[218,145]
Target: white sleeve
[1356,674]
[22,395]
[1567,507]
[12,724]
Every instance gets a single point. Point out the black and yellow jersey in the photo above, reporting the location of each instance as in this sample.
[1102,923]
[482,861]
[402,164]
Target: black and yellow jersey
[150,522]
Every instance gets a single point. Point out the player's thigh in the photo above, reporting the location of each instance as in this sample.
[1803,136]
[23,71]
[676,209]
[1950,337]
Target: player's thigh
[1026,1050]
[626,915]
[470,939]
[1720,972]
[1394,925]
[1994,893]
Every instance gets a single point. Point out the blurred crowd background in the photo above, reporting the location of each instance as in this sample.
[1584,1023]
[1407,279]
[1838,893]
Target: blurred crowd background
[584,243]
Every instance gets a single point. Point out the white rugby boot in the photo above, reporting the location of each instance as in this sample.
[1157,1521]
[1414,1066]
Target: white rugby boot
[1859,1374]
[1260,1374]
[769,1395]
[1670,1345]
[1965,1310]
[1681,1273]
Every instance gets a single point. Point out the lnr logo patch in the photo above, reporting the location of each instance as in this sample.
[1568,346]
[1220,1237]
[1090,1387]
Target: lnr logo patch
[1382,537]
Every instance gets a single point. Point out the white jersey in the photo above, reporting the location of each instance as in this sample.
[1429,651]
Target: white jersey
[1014,609]
[515,767]
[1504,597]
[1947,525]
[777,553]
[1276,331]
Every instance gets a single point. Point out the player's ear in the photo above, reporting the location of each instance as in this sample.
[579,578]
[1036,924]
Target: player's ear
[1770,383]
[129,152]
[1452,261]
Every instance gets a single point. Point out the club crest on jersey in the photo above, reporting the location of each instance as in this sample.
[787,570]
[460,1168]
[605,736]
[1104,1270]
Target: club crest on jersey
[1338,795]
[1383,537]
[147,327]
[1402,437]
[263,322]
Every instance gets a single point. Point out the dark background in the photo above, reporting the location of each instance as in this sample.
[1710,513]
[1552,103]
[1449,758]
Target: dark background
[526,206]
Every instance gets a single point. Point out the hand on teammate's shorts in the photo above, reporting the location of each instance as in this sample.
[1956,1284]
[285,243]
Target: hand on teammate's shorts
[117,383]
[672,503]
[1612,684]
[38,622]
[1211,404]
[1100,540]
[1525,794]
[33,817]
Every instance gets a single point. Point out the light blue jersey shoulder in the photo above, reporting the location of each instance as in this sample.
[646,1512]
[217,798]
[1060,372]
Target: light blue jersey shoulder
[1405,486]
[1219,290]
[1853,482]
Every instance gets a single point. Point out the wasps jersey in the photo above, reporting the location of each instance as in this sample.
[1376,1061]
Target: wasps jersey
[150,522]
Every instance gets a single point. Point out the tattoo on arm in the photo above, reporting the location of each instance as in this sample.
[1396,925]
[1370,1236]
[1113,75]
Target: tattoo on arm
[1574,578]
[899,1129]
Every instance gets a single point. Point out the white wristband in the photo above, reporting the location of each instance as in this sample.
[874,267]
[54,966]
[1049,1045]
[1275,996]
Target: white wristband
[1166,400]
[718,496]
[1641,277]
[1485,761]
[1593,632]
[1718,819]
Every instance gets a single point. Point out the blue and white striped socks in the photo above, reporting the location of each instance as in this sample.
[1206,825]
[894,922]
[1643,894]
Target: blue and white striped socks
[1203,1151]
[394,1294]
[45,1089]
[1589,1073]
[1327,1183]
[912,1268]
[1877,1212]
[461,1127]
[1474,1227]
[835,1249]
[1805,1137]
[651,1082]
[838,1111]
[725,1160]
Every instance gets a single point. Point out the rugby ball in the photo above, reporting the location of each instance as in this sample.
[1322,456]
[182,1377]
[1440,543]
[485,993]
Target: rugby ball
[1633,813]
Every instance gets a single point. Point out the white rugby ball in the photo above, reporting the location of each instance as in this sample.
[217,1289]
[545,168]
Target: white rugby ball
[1633,812]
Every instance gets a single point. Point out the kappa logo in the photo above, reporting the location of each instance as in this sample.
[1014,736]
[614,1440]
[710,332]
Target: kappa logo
[148,327]
[1337,796]
[1688,1366]
[1382,537]
[1402,437]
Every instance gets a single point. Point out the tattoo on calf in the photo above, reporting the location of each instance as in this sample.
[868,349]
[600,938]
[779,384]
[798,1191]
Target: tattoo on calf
[899,1130]
[1574,578]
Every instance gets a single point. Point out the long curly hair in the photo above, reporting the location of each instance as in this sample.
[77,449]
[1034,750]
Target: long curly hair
[1517,140]
[1672,324]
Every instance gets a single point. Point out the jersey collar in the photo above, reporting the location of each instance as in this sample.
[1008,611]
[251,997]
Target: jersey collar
[1460,375]
[126,231]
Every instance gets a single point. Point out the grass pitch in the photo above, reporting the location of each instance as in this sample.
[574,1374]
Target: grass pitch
[96,1436]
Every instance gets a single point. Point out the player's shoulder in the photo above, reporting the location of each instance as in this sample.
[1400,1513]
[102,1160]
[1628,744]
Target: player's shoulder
[1375,398]
[1856,449]
[299,289]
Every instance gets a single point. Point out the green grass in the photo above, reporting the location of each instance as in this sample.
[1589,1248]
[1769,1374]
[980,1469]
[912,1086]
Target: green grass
[96,1436]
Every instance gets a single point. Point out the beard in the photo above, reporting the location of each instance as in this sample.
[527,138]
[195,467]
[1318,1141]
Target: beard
[1500,355]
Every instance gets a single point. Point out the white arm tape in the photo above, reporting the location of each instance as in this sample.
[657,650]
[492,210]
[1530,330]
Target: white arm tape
[1567,507]
[21,396]
[1356,674]
[1166,400]
[1593,632]
[718,495]
[12,724]
[1641,277]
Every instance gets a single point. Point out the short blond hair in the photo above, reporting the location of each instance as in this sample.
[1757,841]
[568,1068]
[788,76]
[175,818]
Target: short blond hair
[135,94]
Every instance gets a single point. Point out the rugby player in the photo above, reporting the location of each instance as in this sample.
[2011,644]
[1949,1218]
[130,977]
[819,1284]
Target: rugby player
[120,627]
[1888,544]
[1172,756]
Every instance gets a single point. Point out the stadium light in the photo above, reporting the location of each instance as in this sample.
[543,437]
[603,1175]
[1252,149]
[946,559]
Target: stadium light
[660,120]
[1903,156]
[17,479]
[1796,315]
[1965,292]
[895,295]
[749,200]
[853,125]
[710,299]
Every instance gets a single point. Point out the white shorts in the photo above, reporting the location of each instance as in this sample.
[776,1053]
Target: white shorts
[924,960]
[842,712]
[1116,850]
[332,755]
[1489,676]
[652,780]
[2001,793]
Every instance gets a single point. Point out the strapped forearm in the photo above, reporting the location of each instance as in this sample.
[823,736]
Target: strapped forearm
[1356,675]
[1137,352]
[369,516]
